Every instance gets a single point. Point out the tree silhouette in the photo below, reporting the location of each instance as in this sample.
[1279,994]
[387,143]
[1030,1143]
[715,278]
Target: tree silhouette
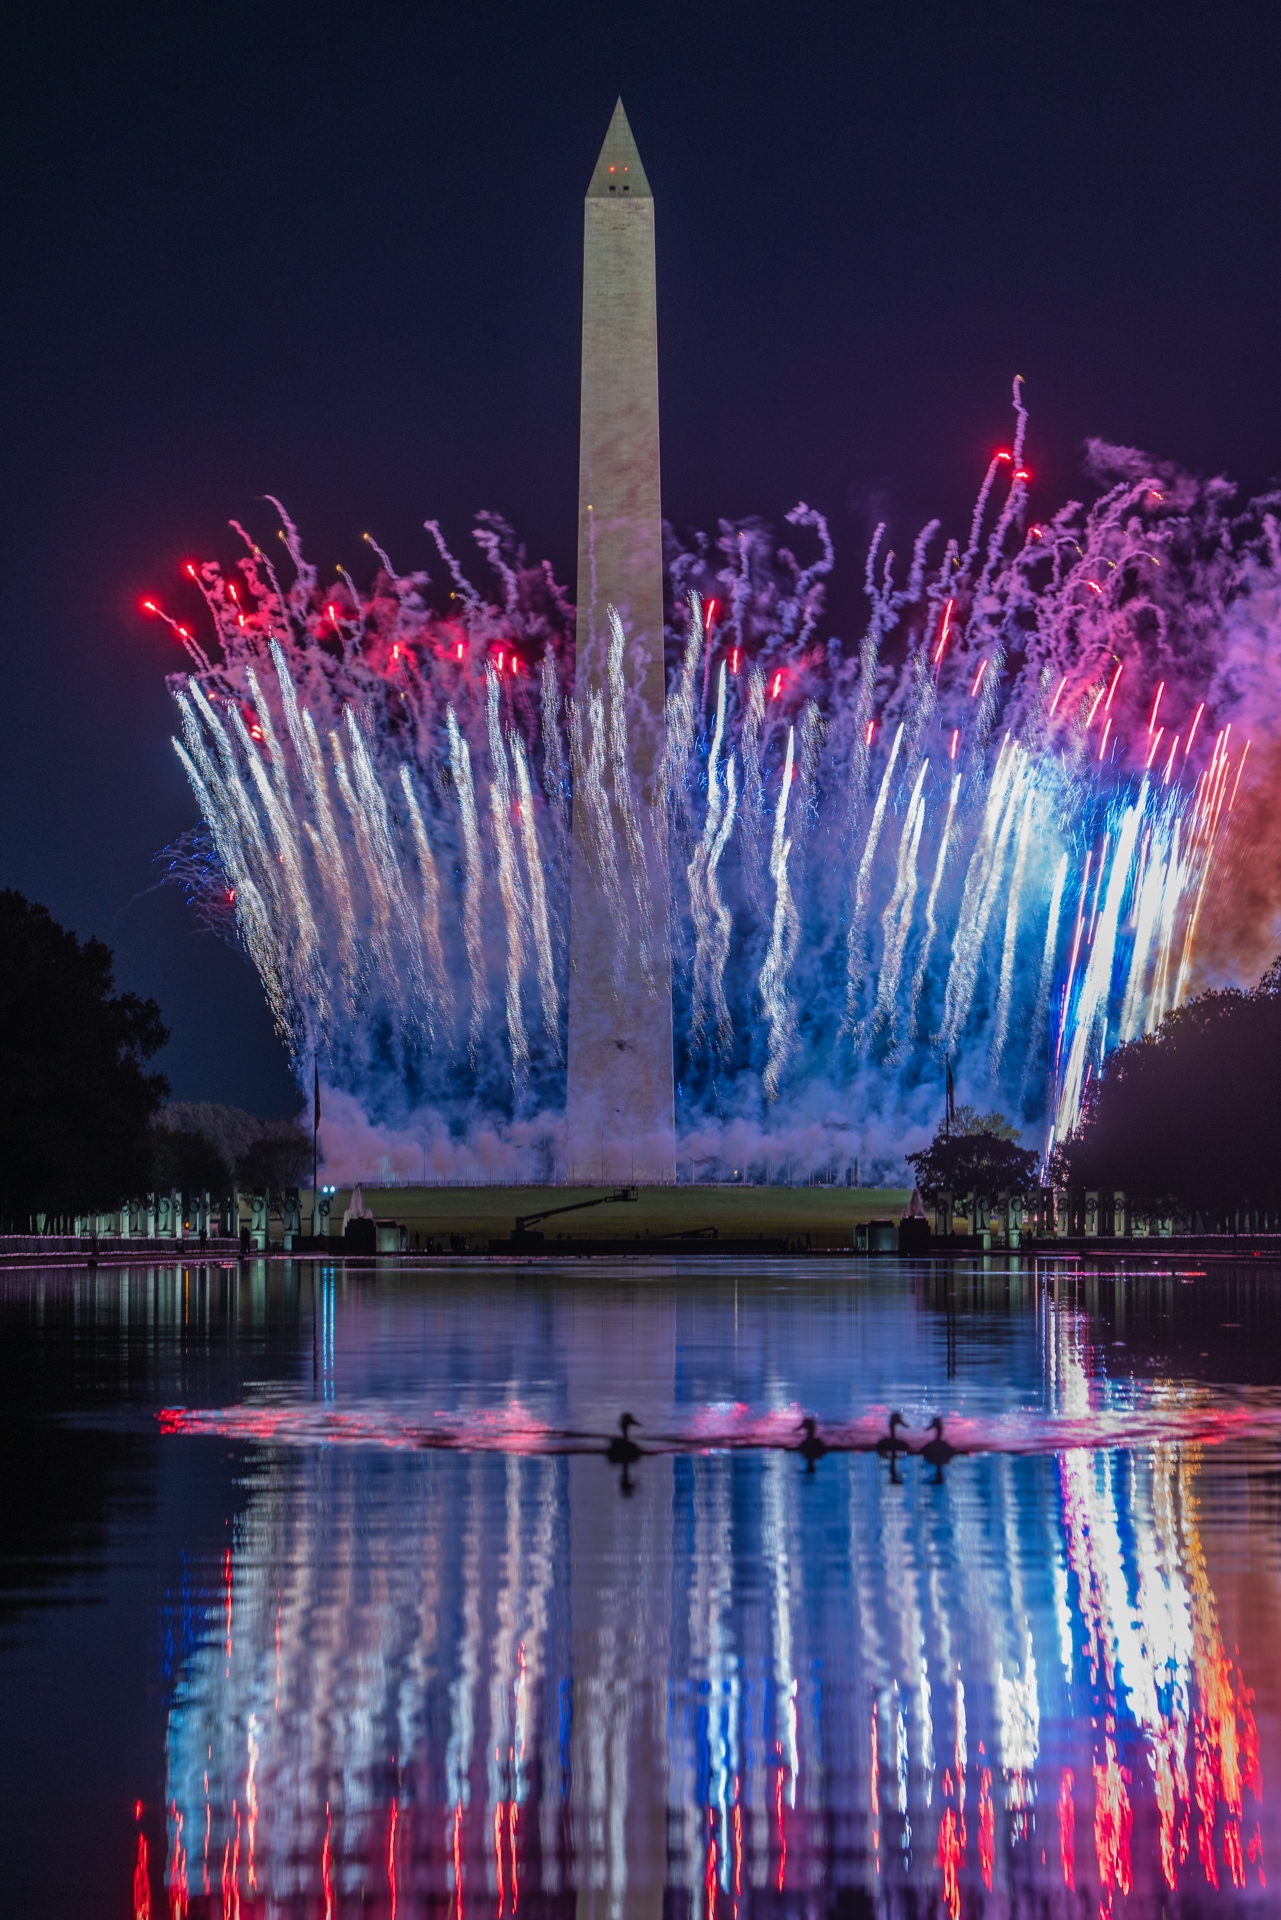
[976,1169]
[280,1157]
[188,1161]
[75,1102]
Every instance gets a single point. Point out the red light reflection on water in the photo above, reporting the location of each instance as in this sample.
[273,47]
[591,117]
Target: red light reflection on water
[1113,1821]
[176,1875]
[987,1828]
[874,1779]
[782,1838]
[951,1848]
[141,1882]
[458,1860]
[1067,1831]
[327,1865]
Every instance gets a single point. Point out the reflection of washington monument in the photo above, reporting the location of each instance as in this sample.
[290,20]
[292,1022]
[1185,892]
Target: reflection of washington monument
[620,1120]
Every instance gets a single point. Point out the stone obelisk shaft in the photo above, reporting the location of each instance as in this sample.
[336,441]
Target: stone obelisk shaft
[620,1121]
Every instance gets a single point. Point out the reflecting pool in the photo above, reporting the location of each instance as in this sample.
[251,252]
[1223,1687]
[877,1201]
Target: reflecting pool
[320,1594]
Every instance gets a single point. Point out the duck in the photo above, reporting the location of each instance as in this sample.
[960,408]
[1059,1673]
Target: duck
[812,1447]
[938,1451]
[622,1450]
[889,1443]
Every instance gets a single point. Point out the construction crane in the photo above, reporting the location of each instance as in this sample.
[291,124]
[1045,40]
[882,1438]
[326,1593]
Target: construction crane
[528,1220]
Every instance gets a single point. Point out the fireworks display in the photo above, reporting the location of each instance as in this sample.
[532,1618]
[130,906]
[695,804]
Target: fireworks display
[987,831]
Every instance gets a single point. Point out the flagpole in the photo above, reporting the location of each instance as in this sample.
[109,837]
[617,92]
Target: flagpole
[315,1144]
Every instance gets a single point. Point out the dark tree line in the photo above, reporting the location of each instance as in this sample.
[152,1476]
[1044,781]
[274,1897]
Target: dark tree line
[82,1124]
[1187,1120]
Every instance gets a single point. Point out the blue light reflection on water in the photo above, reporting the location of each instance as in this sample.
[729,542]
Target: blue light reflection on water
[1048,1679]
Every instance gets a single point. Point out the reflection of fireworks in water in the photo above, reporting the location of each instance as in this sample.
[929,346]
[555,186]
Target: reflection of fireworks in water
[1013,1696]
[991,830]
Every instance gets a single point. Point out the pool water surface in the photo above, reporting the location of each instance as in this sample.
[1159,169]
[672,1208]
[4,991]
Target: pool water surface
[320,1595]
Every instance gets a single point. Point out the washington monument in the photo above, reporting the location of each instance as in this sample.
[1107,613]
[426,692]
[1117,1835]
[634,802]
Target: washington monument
[620,1118]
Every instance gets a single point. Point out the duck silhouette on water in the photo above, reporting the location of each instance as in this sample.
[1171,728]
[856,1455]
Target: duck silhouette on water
[622,1450]
[889,1446]
[813,1447]
[939,1451]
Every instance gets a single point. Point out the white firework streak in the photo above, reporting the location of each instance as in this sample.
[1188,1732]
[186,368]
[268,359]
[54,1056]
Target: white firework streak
[387,859]
[753,790]
[712,919]
[896,922]
[680,712]
[429,909]
[722,919]
[275,756]
[510,891]
[862,887]
[1206,817]
[1176,876]
[931,903]
[785,936]
[537,894]
[473,877]
[1048,952]
[375,891]
[978,896]
[252,915]
[696,872]
[589,788]
[228,781]
[1009,945]
[813,730]
[227,785]
[1098,973]
[1149,890]
[308,960]
[555,771]
[323,838]
[622,772]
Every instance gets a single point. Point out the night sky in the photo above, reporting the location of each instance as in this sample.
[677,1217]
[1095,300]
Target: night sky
[333,253]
